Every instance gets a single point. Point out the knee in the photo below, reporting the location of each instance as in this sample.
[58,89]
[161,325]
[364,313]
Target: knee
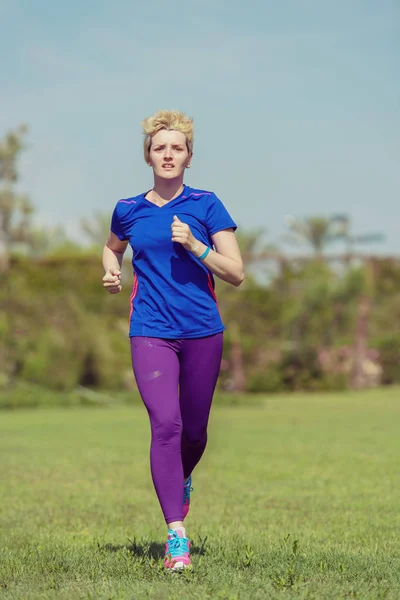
[168,431]
[195,438]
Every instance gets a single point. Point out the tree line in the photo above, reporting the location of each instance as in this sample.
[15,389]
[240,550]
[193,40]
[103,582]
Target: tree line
[305,319]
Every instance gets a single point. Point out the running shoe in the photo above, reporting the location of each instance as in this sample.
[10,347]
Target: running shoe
[187,488]
[177,551]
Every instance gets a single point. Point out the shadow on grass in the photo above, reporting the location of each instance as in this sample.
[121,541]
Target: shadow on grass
[151,549]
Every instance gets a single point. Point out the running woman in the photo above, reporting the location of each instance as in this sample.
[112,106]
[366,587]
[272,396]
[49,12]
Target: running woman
[180,238]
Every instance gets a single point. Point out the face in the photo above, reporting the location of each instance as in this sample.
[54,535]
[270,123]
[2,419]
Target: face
[169,155]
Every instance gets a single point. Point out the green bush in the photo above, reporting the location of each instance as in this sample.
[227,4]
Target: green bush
[54,362]
[389,358]
[302,370]
[296,371]
[22,395]
[269,380]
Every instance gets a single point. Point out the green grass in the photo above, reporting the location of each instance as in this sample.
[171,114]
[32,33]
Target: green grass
[296,498]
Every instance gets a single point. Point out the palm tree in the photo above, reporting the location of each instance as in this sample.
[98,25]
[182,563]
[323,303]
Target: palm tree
[15,210]
[316,231]
[319,232]
[15,229]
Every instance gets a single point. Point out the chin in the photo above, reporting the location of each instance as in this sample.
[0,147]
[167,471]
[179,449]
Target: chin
[169,175]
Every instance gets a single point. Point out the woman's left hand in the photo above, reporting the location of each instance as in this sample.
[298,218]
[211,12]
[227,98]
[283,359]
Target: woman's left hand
[182,234]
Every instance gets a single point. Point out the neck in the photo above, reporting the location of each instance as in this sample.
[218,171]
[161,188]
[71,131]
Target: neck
[168,189]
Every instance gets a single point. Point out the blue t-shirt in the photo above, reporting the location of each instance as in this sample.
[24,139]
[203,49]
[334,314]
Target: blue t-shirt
[173,292]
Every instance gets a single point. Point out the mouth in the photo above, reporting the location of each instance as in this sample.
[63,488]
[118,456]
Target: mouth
[168,166]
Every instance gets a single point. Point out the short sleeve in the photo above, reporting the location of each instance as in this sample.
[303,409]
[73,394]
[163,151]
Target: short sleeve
[218,217]
[116,225]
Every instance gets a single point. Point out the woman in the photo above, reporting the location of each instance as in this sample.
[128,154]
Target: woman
[180,236]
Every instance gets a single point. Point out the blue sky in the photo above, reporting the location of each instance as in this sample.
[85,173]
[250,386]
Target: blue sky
[296,104]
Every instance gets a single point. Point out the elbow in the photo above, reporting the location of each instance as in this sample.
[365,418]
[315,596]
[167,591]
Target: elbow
[239,279]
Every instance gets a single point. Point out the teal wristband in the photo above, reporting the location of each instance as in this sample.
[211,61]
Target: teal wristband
[205,253]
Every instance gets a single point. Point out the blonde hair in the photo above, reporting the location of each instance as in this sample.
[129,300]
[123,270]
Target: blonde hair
[170,120]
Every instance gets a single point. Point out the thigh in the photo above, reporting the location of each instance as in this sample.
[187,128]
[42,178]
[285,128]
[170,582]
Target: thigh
[200,363]
[156,367]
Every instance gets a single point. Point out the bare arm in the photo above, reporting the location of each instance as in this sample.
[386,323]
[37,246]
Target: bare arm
[225,261]
[113,253]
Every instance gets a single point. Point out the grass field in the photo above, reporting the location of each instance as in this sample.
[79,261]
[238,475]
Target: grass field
[296,498]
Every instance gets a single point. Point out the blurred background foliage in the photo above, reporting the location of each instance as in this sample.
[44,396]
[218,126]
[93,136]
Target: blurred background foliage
[308,320]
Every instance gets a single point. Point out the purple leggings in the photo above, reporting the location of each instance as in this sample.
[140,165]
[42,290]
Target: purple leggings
[176,380]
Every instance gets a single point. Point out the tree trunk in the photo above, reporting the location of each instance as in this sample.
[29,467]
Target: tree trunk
[4,254]
[236,358]
[358,378]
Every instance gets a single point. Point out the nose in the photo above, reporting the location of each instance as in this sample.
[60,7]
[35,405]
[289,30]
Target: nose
[167,153]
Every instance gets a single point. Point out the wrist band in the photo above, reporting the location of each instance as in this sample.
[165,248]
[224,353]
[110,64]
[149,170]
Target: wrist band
[205,253]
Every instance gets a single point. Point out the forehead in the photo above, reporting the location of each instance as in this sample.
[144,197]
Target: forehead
[166,136]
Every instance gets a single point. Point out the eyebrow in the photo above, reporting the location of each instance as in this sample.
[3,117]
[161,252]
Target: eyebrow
[173,145]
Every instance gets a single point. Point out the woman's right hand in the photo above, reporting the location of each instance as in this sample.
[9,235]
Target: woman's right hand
[112,281]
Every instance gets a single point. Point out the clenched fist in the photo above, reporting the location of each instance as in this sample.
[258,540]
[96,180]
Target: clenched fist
[112,281]
[182,234]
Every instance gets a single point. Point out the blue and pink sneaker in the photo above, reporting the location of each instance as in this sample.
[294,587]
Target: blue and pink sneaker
[187,488]
[177,550]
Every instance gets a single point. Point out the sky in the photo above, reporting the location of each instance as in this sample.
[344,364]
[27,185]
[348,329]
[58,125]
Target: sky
[296,105]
